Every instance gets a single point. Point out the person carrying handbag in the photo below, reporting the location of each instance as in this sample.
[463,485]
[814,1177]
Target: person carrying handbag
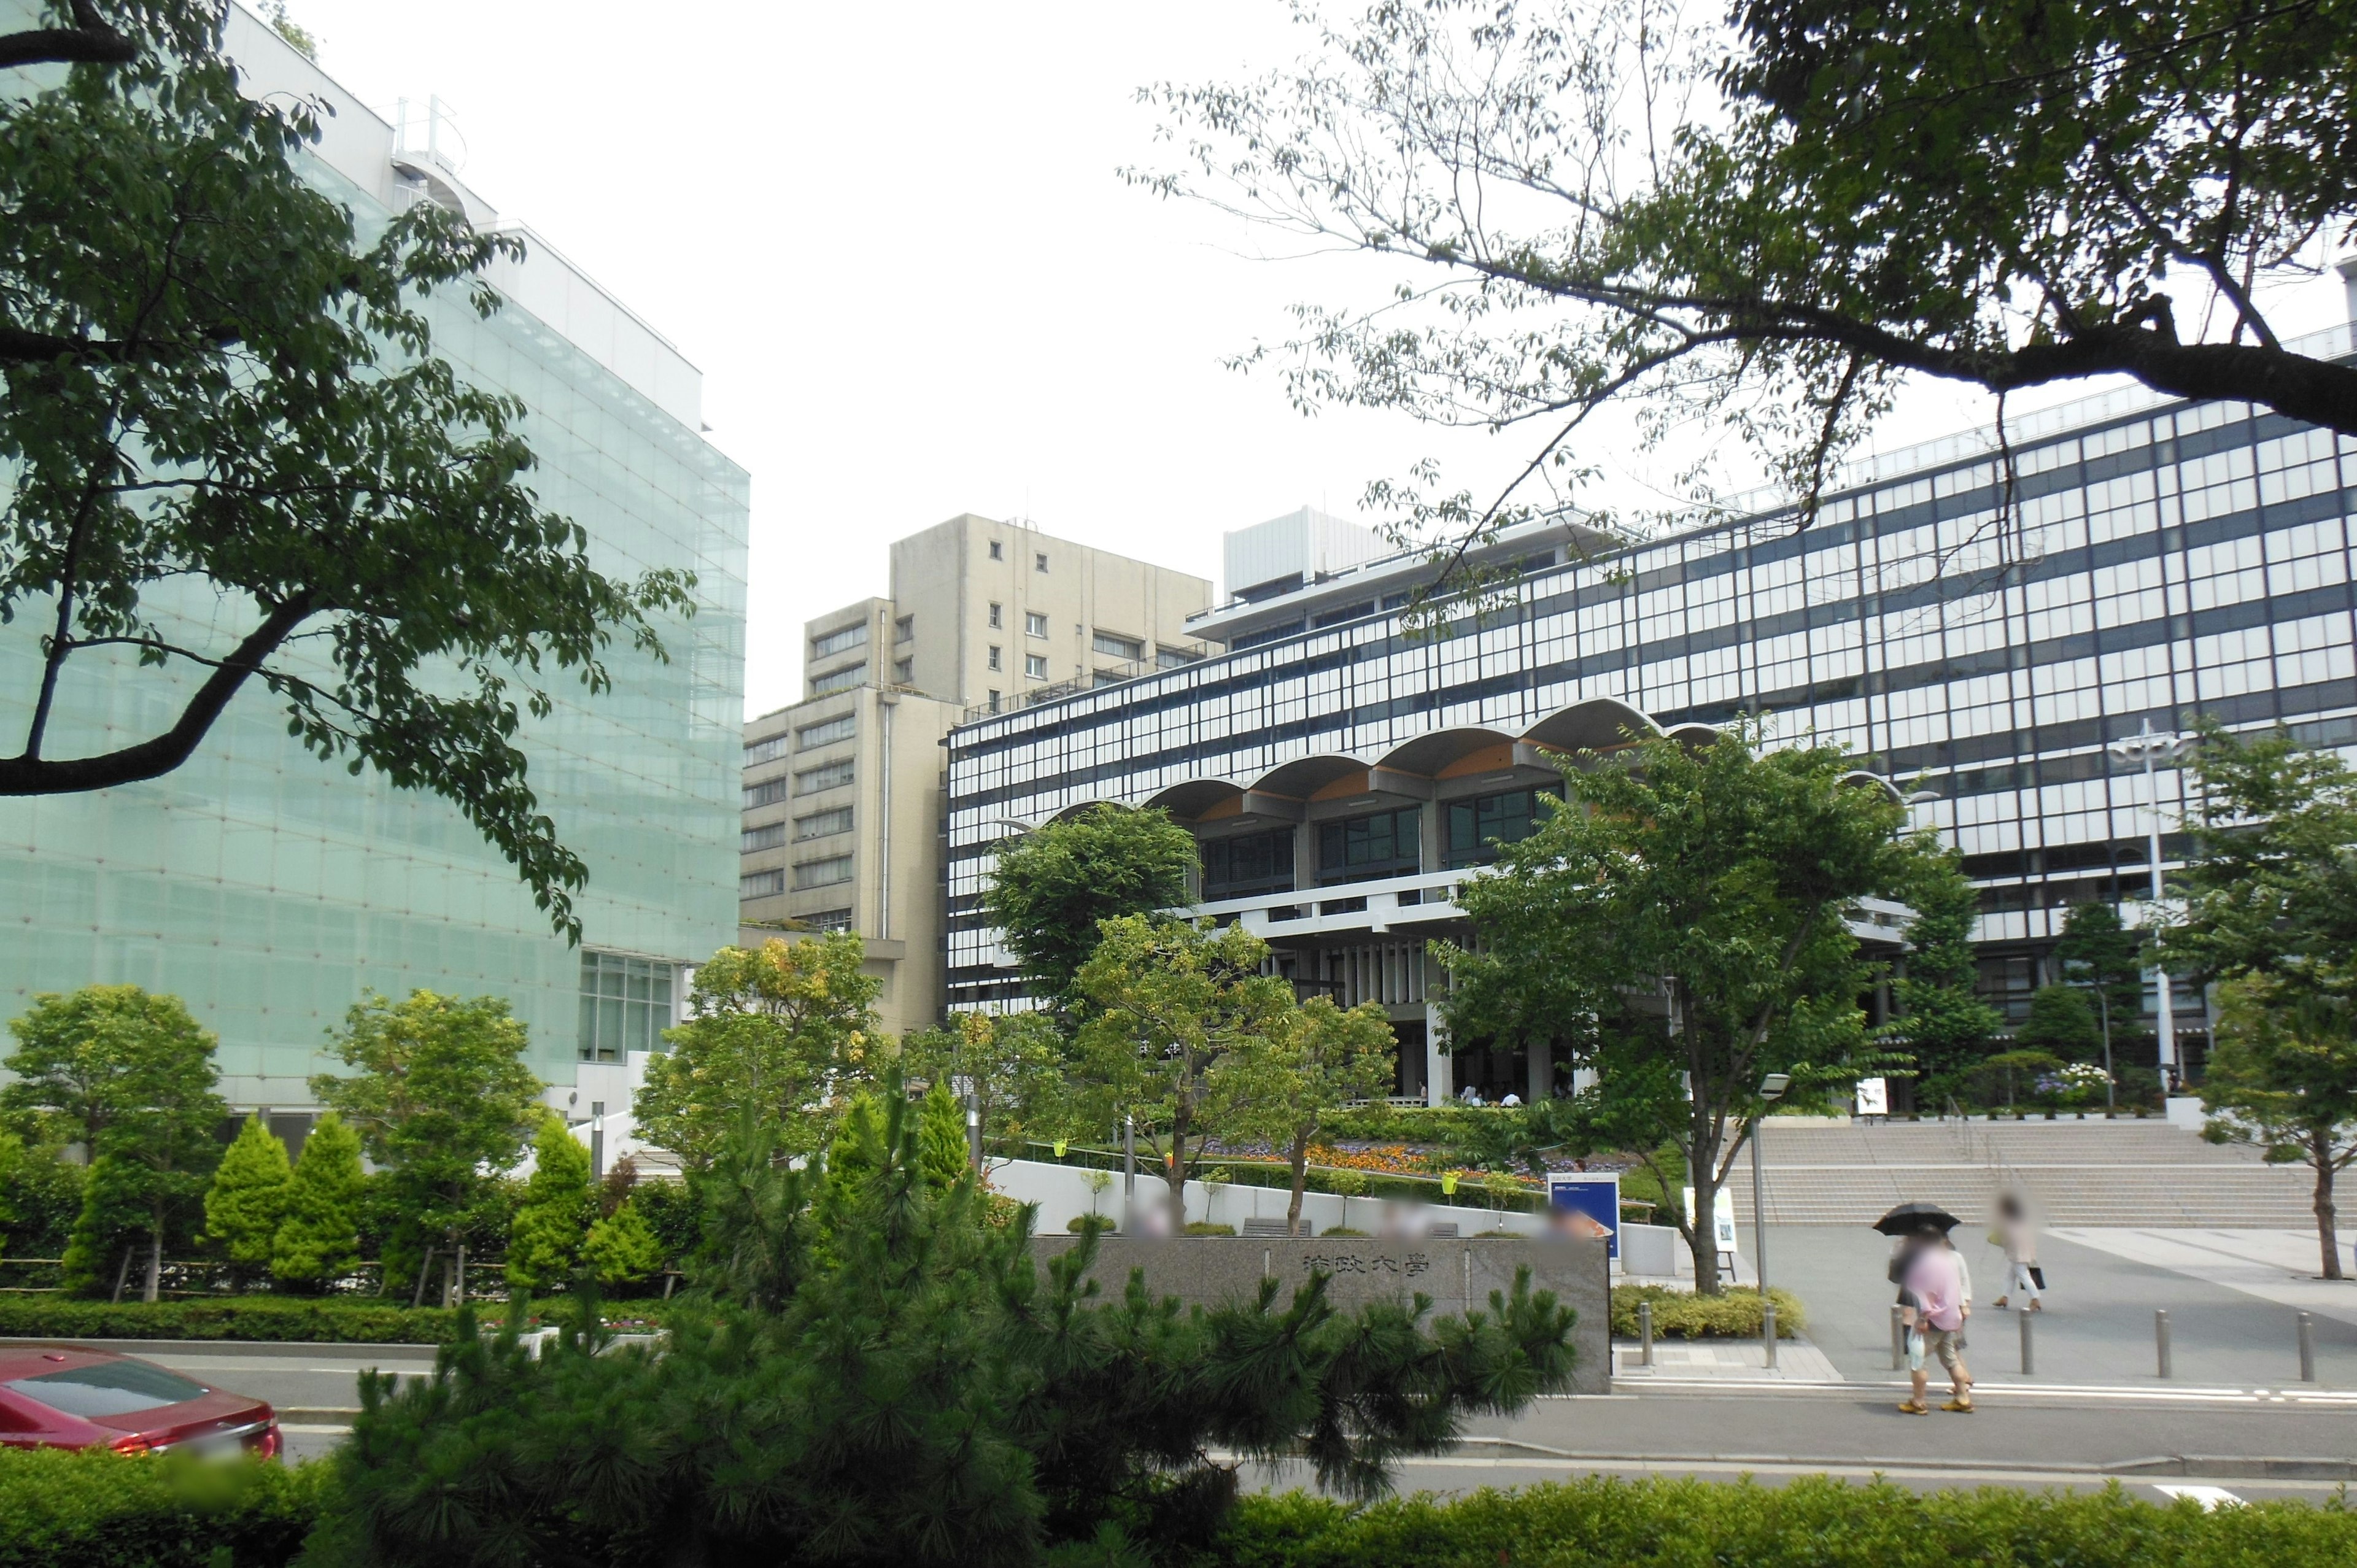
[2017,1234]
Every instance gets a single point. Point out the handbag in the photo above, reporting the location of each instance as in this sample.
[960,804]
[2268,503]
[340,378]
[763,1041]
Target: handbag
[2037,1276]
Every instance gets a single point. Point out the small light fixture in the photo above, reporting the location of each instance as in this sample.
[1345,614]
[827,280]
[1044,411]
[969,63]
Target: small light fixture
[1773,1086]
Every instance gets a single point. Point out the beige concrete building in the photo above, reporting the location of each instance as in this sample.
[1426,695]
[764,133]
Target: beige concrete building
[845,790]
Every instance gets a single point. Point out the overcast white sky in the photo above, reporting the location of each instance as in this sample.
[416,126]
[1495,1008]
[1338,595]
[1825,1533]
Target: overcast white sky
[893,239]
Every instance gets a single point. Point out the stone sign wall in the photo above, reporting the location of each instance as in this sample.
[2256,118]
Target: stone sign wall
[1456,1272]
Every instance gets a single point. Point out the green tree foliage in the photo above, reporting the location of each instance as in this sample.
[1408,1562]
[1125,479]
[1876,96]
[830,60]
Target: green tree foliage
[1283,1083]
[888,1379]
[43,1196]
[552,1222]
[622,1249]
[1769,218]
[98,1249]
[787,1030]
[940,1136]
[318,1240]
[2283,1076]
[131,1076]
[1943,1021]
[2107,961]
[1016,1064]
[1169,1001]
[1053,889]
[248,1198]
[2270,892]
[437,1091]
[236,461]
[1686,920]
[2061,1022]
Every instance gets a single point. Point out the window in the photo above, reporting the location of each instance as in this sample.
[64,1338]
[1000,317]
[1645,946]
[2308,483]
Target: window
[768,835]
[828,920]
[1167,658]
[1039,561]
[995,663]
[997,551]
[837,641]
[904,629]
[994,699]
[839,679]
[1036,666]
[819,825]
[1034,625]
[625,1005]
[904,671]
[1364,849]
[1119,647]
[1254,863]
[997,616]
[825,776]
[768,792]
[1477,827]
[827,732]
[825,872]
[760,884]
[1112,678]
[757,752]
[110,1387]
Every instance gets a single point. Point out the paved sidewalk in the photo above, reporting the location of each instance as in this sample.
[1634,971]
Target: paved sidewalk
[1744,1361]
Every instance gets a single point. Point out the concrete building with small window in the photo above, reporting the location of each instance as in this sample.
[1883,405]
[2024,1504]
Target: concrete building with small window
[842,802]
[1978,638]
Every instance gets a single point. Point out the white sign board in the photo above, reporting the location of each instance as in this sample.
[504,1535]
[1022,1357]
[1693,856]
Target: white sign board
[1722,1211]
[1873,1097]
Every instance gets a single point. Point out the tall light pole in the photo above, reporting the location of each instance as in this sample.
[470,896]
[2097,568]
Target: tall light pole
[1771,1089]
[2149,749]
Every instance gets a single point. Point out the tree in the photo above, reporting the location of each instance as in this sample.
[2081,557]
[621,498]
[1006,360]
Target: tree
[442,1102]
[787,1030]
[2283,1076]
[1684,927]
[1943,1021]
[2270,890]
[99,1248]
[622,1248]
[1310,1062]
[318,1240]
[248,1198]
[2061,1023]
[941,1136]
[1054,887]
[552,1222]
[2098,953]
[1169,1000]
[1014,1063]
[1767,221]
[236,461]
[897,1383]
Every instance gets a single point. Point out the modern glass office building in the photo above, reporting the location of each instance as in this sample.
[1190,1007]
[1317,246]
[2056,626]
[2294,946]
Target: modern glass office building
[269,889]
[2159,560]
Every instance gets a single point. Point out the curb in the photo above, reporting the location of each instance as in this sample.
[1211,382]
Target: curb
[2220,1467]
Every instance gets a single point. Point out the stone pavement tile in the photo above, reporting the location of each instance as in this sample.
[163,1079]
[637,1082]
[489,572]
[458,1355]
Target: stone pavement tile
[1797,1360]
[2279,1266]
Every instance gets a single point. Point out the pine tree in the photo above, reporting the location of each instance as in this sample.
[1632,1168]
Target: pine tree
[940,1132]
[552,1220]
[248,1198]
[318,1239]
[622,1249]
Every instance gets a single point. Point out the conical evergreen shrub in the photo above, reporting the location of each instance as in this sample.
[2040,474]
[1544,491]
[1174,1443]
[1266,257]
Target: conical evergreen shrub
[248,1198]
[622,1249]
[552,1220]
[318,1239]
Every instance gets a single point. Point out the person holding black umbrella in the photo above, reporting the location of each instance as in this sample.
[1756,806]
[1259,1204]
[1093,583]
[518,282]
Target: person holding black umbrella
[1932,1303]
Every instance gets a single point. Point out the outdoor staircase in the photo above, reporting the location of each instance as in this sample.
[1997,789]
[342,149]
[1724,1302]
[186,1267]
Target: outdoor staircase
[2076,1172]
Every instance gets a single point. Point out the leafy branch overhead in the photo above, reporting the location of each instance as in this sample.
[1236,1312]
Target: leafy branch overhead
[1768,221]
[238,461]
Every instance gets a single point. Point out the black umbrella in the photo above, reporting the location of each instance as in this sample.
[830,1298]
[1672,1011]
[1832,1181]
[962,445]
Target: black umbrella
[1909,1218]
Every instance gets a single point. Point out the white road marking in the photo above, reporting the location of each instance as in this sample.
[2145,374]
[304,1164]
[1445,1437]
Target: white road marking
[2207,1496]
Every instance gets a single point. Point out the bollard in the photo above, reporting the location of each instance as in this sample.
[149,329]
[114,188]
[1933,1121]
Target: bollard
[1768,1331]
[2028,1355]
[1644,1333]
[2160,1340]
[1898,1340]
[2307,1348]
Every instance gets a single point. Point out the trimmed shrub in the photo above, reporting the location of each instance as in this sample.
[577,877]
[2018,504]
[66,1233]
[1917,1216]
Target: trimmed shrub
[248,1198]
[1809,1522]
[98,1509]
[1683,1314]
[369,1321]
[1205,1227]
[319,1239]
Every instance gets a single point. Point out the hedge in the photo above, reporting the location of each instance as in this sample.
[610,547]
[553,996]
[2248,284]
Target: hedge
[327,1320]
[1810,1522]
[98,1509]
[1683,1314]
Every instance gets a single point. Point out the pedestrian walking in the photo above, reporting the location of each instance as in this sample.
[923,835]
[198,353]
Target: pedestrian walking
[1932,1304]
[2017,1234]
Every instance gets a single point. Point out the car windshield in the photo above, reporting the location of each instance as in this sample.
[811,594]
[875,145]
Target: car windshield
[108,1388]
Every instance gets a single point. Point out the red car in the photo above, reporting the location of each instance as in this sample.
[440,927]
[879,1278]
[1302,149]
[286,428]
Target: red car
[70,1396]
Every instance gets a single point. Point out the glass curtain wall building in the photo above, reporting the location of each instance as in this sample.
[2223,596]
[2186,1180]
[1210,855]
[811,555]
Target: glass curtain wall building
[269,889]
[2158,561]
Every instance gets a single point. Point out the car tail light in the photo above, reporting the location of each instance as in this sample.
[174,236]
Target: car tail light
[266,1444]
[134,1444]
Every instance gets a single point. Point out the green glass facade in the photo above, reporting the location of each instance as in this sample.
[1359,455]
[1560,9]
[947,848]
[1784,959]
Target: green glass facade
[269,889]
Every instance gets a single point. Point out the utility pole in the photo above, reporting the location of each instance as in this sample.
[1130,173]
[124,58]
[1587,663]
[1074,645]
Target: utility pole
[2151,749]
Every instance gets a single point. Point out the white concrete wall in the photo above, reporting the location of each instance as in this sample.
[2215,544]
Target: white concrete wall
[1062,1194]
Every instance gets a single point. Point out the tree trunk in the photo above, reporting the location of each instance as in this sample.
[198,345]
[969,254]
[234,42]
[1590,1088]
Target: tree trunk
[425,1264]
[1300,1158]
[2327,1236]
[123,1271]
[150,1290]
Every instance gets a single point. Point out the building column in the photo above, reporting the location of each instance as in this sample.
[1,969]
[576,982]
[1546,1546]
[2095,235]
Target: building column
[1437,1063]
[1542,1072]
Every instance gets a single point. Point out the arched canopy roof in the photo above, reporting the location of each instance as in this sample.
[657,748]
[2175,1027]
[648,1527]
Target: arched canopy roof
[1427,755]
[1599,724]
[1192,799]
[1694,735]
[1301,779]
[1862,779]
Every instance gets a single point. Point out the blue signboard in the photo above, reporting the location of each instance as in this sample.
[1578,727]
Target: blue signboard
[1585,1205]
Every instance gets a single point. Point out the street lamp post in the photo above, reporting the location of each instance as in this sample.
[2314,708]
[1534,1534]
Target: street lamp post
[2149,749]
[1771,1089]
